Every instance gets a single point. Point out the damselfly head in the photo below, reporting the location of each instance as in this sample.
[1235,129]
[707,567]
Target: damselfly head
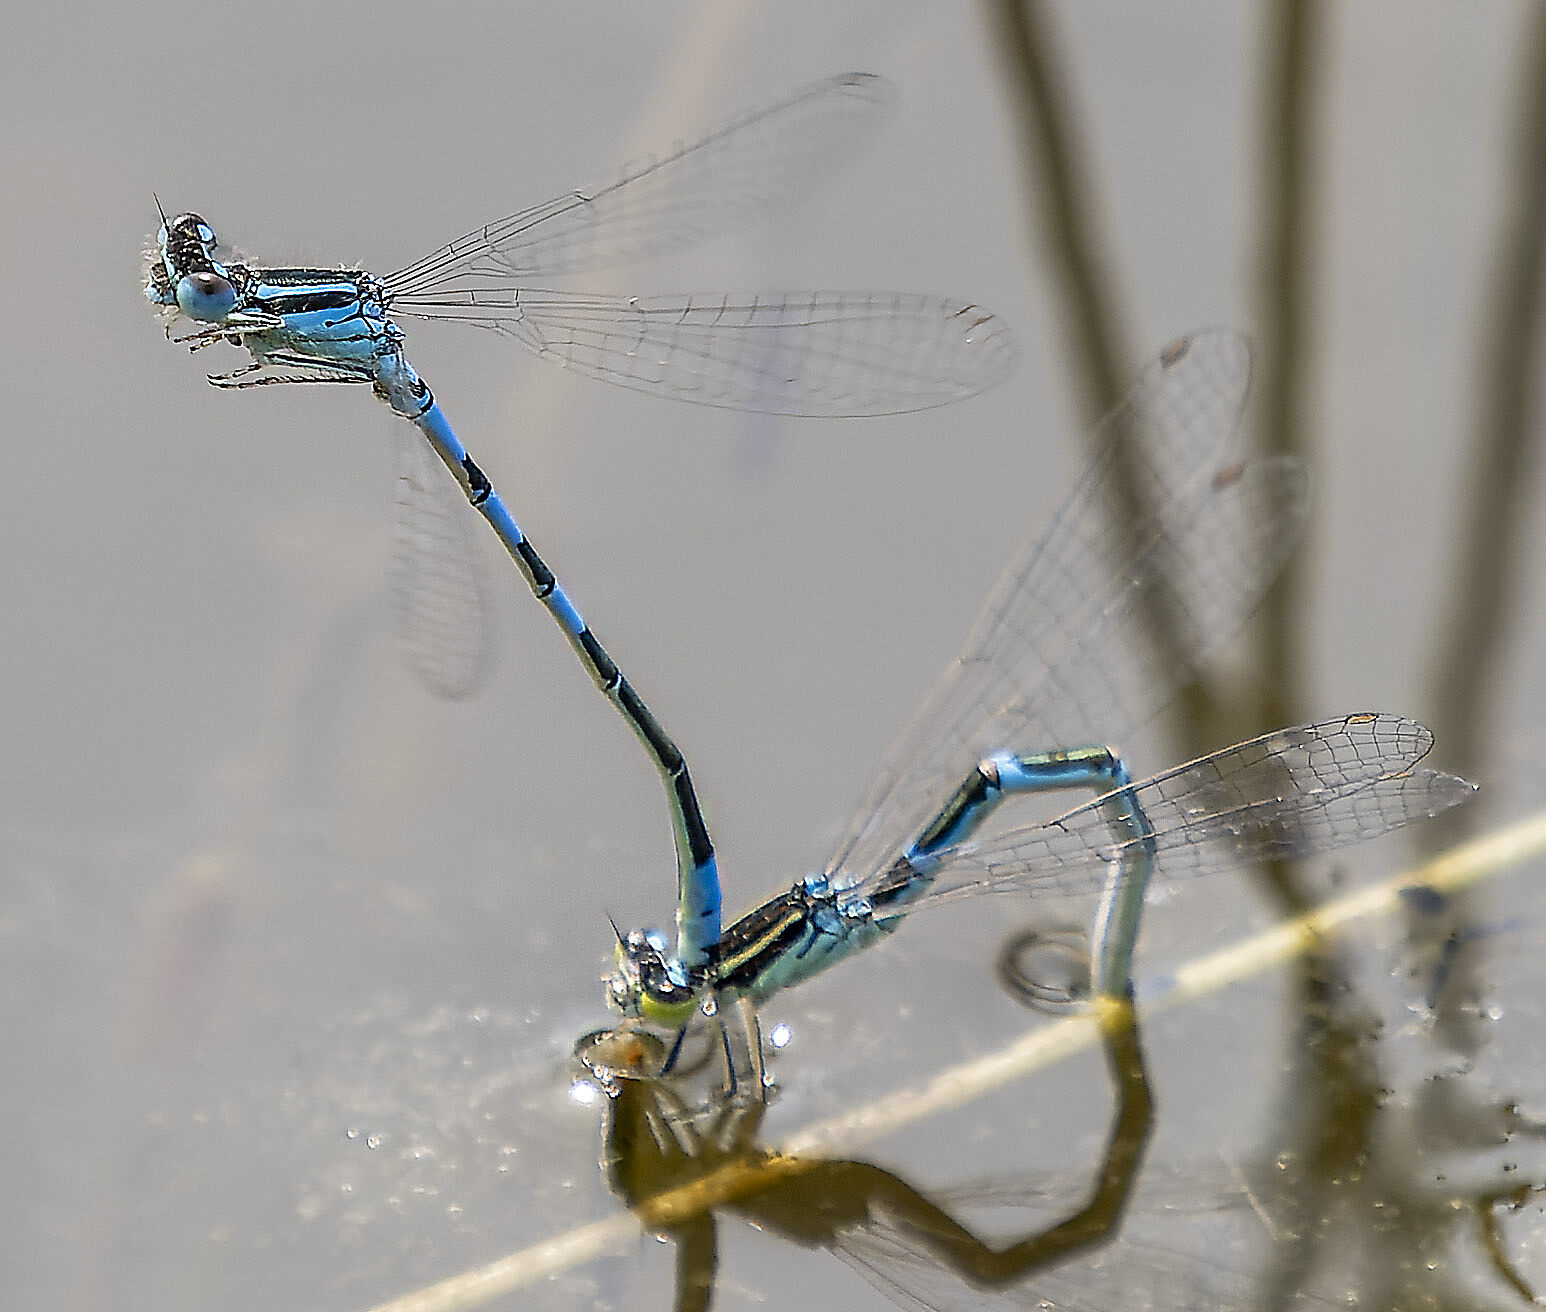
[648,982]
[183,274]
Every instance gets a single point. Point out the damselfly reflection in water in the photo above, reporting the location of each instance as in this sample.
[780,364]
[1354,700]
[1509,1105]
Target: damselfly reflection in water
[1059,660]
[790,353]
[678,1168]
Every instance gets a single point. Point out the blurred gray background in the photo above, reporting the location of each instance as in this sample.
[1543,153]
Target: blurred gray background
[292,955]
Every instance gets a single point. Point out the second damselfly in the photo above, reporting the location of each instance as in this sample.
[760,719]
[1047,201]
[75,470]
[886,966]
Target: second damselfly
[810,353]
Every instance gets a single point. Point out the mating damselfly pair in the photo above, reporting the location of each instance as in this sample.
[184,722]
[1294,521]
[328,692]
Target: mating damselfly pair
[1060,663]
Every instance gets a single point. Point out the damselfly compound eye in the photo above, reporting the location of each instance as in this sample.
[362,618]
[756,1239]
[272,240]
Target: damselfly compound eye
[205,296]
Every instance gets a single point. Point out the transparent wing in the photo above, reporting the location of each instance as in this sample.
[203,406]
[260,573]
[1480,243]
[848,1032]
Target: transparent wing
[1059,657]
[438,587]
[1291,793]
[730,177]
[805,353]
[795,353]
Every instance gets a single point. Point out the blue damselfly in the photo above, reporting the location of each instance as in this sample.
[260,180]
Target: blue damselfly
[822,353]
